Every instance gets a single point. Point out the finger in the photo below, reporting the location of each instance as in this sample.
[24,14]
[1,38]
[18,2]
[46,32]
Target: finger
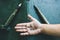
[21,30]
[24,33]
[20,27]
[21,24]
[30,17]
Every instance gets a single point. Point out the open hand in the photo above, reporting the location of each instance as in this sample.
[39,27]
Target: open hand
[30,28]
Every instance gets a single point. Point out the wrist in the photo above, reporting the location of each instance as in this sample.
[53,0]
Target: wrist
[42,28]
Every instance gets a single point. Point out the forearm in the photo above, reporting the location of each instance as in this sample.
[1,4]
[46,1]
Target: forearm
[51,29]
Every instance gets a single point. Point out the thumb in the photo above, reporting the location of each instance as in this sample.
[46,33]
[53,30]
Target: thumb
[31,18]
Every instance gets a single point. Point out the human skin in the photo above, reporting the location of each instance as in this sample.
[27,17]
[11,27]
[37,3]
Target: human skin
[34,27]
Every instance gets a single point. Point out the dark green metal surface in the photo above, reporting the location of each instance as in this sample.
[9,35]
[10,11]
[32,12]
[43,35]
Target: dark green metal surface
[6,9]
[50,8]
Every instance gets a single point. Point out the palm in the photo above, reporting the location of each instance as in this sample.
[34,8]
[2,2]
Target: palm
[30,28]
